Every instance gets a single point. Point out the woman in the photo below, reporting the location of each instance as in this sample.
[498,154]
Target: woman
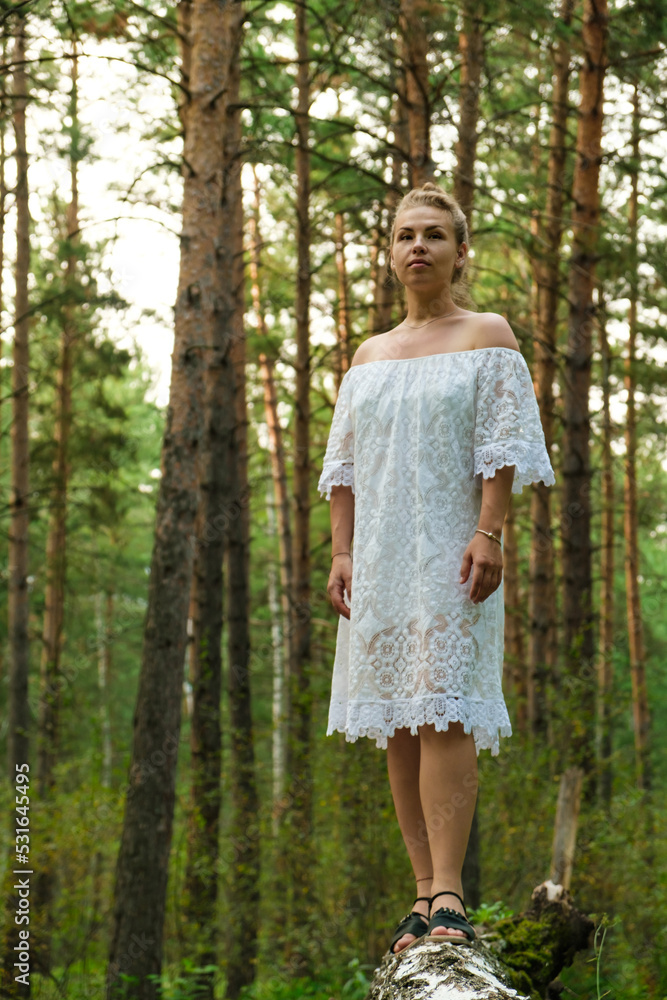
[436,423]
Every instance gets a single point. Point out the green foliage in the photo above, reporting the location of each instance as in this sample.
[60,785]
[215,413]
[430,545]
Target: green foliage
[362,877]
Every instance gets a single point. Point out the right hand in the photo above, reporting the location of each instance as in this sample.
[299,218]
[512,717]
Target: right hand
[340,579]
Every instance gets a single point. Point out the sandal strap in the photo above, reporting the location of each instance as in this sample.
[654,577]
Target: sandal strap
[445,917]
[448,892]
[412,923]
[424,899]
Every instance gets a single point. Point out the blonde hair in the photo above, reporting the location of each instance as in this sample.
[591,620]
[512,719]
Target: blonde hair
[432,195]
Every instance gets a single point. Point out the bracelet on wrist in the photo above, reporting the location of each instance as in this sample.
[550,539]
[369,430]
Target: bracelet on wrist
[339,554]
[489,534]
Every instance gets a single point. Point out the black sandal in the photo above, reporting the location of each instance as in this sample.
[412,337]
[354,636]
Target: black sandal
[446,917]
[412,923]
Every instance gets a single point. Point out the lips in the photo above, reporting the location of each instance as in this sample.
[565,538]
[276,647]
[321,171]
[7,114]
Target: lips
[419,263]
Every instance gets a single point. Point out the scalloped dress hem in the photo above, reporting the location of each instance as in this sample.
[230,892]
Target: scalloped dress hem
[488,721]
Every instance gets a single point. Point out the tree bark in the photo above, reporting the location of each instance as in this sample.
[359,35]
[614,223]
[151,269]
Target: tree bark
[576,513]
[141,876]
[471,51]
[415,46]
[343,326]
[542,651]
[565,827]
[244,829]
[640,710]
[18,607]
[19,712]
[297,828]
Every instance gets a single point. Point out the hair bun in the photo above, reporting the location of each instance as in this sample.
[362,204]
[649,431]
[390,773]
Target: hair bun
[430,186]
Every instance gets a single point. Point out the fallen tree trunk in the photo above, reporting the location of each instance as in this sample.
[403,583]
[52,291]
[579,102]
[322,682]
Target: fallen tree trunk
[518,958]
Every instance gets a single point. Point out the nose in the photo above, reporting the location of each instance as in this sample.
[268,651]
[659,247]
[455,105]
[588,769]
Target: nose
[418,242]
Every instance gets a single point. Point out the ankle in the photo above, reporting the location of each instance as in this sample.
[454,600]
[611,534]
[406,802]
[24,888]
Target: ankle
[424,885]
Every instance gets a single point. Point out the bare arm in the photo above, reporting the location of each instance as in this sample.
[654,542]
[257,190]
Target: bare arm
[342,530]
[483,554]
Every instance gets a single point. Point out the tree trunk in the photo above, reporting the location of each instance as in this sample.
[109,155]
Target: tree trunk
[141,876]
[244,830]
[299,827]
[278,666]
[283,656]
[18,608]
[415,46]
[343,326]
[605,659]
[19,712]
[565,827]
[640,710]
[523,953]
[56,545]
[576,513]
[514,667]
[471,51]
[542,652]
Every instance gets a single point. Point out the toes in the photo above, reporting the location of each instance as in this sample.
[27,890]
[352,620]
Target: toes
[403,942]
[450,931]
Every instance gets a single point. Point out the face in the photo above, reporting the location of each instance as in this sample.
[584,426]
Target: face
[424,252]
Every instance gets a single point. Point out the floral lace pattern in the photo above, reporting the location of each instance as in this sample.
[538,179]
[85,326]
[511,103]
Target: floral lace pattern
[414,438]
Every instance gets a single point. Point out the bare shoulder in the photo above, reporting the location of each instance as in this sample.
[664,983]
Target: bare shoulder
[493,330]
[369,350]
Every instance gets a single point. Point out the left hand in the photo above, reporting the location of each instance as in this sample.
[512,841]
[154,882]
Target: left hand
[485,557]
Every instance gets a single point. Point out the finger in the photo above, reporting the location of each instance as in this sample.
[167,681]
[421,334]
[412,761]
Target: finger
[338,596]
[491,583]
[465,566]
[479,584]
[477,576]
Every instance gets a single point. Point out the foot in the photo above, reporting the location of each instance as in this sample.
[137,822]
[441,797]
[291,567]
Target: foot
[447,901]
[420,906]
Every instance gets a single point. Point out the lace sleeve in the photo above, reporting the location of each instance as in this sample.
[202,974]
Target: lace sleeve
[508,429]
[338,465]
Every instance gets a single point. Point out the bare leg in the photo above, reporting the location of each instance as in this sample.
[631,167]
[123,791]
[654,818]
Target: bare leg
[403,764]
[448,790]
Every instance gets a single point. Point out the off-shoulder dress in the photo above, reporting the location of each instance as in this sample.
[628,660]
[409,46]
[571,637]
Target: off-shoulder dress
[413,438]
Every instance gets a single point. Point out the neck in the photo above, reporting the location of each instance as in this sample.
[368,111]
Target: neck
[421,310]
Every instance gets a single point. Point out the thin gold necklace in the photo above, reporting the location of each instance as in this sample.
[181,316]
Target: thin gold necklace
[410,327]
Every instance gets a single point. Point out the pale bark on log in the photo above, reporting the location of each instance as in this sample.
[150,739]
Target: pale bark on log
[516,959]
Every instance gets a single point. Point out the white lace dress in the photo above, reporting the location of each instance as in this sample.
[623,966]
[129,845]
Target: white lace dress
[413,438]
